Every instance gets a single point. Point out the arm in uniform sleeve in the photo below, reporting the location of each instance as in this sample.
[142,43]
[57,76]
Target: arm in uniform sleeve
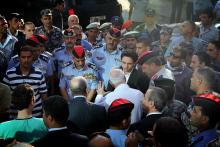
[63,87]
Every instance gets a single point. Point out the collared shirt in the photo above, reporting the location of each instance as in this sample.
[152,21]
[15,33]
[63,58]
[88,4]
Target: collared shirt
[56,129]
[35,78]
[209,35]
[124,91]
[203,138]
[105,61]
[71,71]
[118,137]
[153,113]
[61,59]
[8,46]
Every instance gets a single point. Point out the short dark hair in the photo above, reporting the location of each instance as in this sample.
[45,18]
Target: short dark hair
[145,40]
[209,12]
[169,132]
[25,48]
[159,97]
[216,43]
[57,107]
[22,96]
[203,58]
[183,52]
[158,60]
[130,53]
[58,2]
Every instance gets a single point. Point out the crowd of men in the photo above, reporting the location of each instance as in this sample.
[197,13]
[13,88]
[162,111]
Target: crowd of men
[113,84]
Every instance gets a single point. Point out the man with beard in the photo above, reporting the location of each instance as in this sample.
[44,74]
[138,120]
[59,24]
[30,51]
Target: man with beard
[25,72]
[62,56]
[107,56]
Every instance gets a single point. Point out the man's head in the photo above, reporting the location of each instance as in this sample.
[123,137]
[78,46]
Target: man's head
[169,132]
[206,111]
[200,59]
[117,22]
[29,29]
[104,28]
[152,65]
[26,57]
[188,27]
[79,56]
[59,5]
[46,17]
[206,17]
[100,139]
[142,45]
[128,59]
[14,21]
[3,25]
[150,16]
[165,34]
[78,86]
[73,20]
[93,30]
[116,77]
[178,56]
[131,39]
[23,97]
[213,49]
[119,113]
[112,39]
[55,111]
[78,31]
[203,79]
[154,100]
[69,37]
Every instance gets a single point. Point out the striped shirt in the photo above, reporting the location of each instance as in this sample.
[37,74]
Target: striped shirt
[35,78]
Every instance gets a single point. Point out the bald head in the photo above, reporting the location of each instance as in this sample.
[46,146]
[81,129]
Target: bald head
[116,77]
[73,20]
[100,141]
[78,85]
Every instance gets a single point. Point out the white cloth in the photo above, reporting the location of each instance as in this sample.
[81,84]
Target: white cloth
[124,91]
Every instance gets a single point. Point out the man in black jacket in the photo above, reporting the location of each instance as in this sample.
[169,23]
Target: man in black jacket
[85,117]
[55,115]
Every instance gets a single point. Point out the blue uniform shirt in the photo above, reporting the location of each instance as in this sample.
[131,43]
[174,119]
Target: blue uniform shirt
[202,139]
[70,71]
[105,61]
[61,59]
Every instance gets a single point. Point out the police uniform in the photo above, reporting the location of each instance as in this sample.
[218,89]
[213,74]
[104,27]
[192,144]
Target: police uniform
[61,59]
[104,60]
[44,64]
[71,71]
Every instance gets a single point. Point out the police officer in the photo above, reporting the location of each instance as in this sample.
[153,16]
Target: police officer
[93,33]
[131,40]
[108,55]
[79,68]
[104,28]
[62,56]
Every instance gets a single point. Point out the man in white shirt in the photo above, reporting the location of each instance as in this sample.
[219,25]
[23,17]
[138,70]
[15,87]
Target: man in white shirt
[122,90]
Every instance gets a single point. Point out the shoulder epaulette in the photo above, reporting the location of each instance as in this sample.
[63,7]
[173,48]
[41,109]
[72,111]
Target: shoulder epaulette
[67,64]
[44,57]
[15,59]
[59,49]
[92,66]
[98,46]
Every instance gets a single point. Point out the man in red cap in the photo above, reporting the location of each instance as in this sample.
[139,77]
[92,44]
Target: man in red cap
[205,116]
[79,68]
[119,117]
